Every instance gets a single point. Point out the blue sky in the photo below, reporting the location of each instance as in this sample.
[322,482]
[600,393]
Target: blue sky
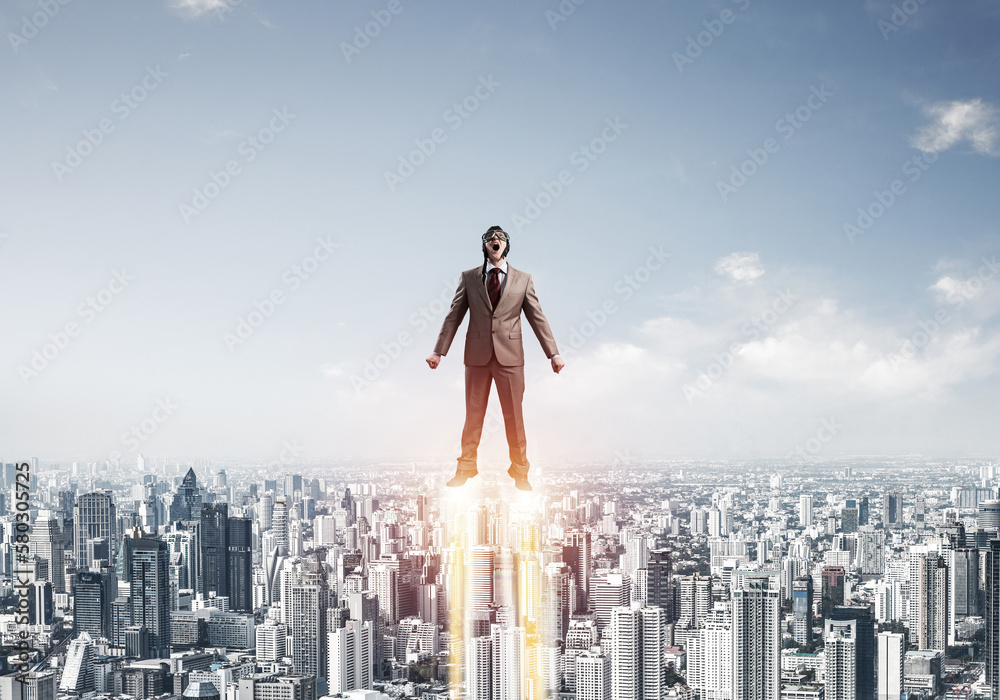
[367,157]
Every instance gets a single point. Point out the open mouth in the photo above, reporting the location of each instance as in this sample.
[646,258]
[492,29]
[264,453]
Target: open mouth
[496,246]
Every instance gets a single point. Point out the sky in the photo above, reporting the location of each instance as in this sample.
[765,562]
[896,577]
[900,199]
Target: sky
[231,229]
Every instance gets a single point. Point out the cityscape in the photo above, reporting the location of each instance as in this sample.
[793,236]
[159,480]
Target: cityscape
[830,579]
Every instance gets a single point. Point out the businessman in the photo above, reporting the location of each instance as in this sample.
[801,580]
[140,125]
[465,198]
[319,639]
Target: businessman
[494,294]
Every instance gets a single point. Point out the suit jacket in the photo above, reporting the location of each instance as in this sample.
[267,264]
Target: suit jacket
[495,330]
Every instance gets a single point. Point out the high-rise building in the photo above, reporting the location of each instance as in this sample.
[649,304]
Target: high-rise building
[480,577]
[993,618]
[635,643]
[508,665]
[608,590]
[78,673]
[307,623]
[891,652]
[479,665]
[756,636]
[802,609]
[659,583]
[963,570]
[47,544]
[186,503]
[214,540]
[151,593]
[989,516]
[239,562]
[93,517]
[577,554]
[94,591]
[833,588]
[350,657]
[555,603]
[841,656]
[864,640]
[582,635]
[695,600]
[279,524]
[593,674]
[892,511]
[932,611]
[710,655]
[271,638]
[806,510]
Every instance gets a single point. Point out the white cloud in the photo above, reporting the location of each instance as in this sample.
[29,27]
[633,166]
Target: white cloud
[197,8]
[740,267]
[973,121]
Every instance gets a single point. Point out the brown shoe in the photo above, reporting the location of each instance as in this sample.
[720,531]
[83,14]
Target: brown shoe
[460,478]
[520,482]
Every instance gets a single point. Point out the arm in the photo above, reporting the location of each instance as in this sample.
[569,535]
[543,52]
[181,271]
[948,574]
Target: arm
[459,305]
[540,325]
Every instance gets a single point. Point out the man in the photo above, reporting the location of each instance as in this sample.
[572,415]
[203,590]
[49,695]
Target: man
[494,295]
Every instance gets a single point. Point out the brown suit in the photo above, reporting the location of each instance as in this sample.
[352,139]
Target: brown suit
[493,351]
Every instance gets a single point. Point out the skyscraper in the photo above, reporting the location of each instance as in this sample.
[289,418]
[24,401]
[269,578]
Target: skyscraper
[710,655]
[93,517]
[47,544]
[833,588]
[932,612]
[864,640]
[756,636]
[151,593]
[659,583]
[279,525]
[508,663]
[841,657]
[214,539]
[892,511]
[78,673]
[186,504]
[350,657]
[891,652]
[94,591]
[577,554]
[635,642]
[802,609]
[993,618]
[608,591]
[593,673]
[806,510]
[240,564]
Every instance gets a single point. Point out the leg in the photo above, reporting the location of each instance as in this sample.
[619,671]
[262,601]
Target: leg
[477,396]
[510,387]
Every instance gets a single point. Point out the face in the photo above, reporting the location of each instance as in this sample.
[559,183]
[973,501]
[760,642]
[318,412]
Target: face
[495,246]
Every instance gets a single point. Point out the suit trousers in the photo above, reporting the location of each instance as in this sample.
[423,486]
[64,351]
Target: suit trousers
[510,387]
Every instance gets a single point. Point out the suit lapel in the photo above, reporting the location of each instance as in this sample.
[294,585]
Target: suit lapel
[479,284]
[511,287]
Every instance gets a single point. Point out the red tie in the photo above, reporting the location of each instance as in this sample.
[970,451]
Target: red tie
[493,286]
